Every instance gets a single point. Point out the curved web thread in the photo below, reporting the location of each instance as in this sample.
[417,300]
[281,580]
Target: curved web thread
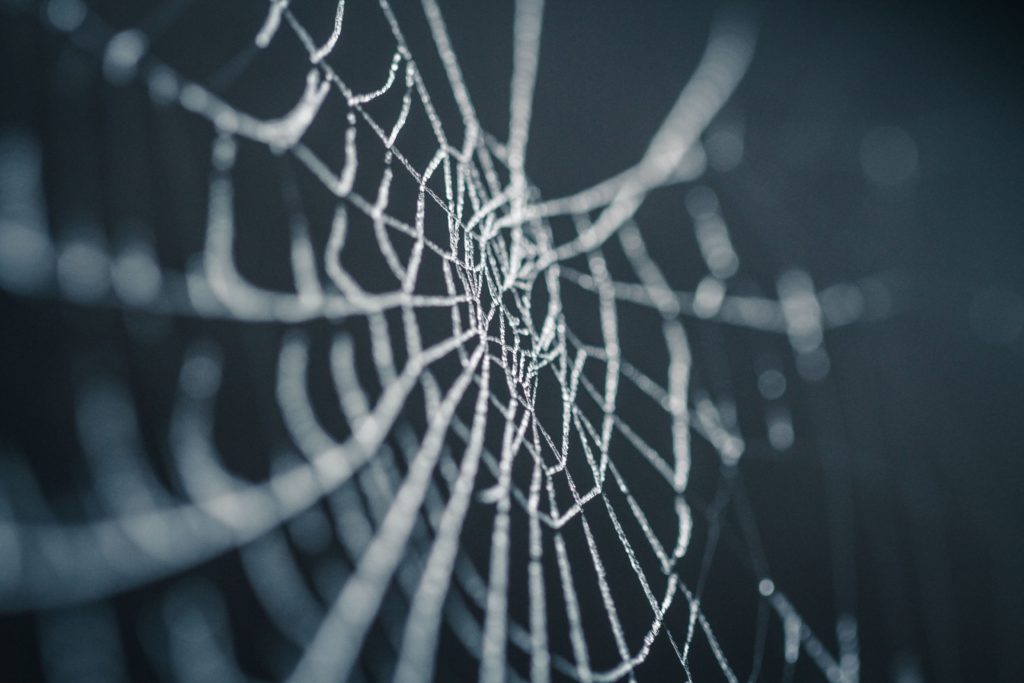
[402,491]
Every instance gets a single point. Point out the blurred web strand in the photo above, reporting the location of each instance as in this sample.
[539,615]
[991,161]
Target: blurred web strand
[500,247]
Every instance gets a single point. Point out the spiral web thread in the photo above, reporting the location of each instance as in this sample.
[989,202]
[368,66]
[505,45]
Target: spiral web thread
[418,481]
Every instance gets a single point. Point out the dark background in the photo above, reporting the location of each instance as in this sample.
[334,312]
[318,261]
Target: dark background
[923,407]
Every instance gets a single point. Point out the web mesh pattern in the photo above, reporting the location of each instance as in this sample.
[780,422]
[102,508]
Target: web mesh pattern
[462,430]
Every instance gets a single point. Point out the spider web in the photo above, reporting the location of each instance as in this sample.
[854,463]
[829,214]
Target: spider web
[463,427]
